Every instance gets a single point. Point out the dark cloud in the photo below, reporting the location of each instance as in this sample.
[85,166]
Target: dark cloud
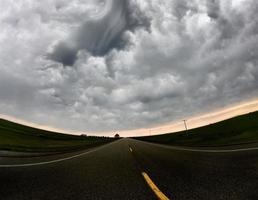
[64,54]
[213,9]
[101,34]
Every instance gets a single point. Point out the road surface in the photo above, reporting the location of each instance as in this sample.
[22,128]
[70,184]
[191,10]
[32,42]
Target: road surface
[131,169]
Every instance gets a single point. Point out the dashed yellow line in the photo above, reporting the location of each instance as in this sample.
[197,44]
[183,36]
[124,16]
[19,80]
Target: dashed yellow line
[154,188]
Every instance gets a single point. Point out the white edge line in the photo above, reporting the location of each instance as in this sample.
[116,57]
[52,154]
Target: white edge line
[52,161]
[217,151]
[203,150]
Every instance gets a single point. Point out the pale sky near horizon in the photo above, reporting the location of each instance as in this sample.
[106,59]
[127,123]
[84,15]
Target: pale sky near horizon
[110,65]
[192,122]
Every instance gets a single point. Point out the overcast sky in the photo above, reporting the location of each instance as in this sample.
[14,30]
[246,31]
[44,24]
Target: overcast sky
[97,65]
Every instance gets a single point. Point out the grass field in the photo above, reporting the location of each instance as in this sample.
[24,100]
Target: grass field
[16,137]
[239,130]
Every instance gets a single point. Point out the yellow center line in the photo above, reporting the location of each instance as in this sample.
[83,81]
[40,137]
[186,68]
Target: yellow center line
[154,188]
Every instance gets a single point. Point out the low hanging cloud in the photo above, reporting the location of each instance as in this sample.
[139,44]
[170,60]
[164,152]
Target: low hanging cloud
[132,64]
[100,34]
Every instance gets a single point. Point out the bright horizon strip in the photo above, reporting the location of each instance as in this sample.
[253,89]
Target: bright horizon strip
[178,125]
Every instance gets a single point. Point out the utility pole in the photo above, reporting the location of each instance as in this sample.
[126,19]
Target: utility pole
[185,125]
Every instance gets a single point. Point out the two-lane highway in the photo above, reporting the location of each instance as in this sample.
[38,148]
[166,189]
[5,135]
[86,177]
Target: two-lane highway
[200,174]
[131,169]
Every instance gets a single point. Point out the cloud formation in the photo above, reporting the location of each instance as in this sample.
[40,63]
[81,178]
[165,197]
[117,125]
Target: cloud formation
[132,64]
[100,34]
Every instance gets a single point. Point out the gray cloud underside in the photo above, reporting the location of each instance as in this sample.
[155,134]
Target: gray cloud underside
[131,63]
[100,35]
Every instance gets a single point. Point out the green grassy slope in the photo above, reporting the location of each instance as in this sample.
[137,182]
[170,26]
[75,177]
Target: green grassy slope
[18,137]
[239,130]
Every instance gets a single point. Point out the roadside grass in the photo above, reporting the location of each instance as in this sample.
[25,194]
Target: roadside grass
[235,131]
[17,137]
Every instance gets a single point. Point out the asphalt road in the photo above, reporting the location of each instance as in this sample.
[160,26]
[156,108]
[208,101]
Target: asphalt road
[114,171]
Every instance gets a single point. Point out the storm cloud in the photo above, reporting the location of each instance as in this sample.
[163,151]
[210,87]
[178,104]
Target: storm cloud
[101,33]
[132,64]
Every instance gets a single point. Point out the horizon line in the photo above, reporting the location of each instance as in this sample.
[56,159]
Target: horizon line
[195,121]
